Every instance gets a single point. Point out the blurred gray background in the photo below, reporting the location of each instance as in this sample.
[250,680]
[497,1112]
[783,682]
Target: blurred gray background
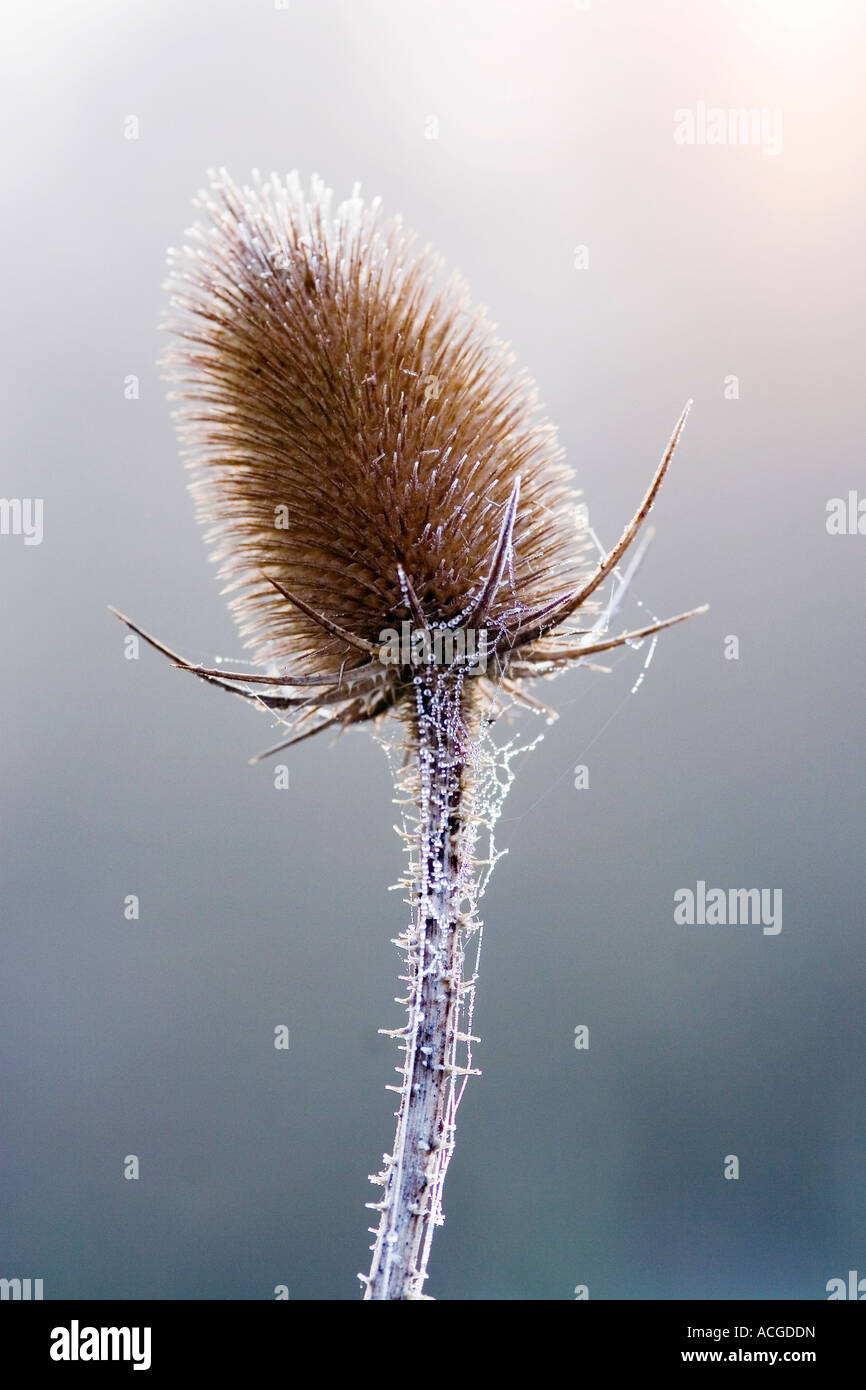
[260,907]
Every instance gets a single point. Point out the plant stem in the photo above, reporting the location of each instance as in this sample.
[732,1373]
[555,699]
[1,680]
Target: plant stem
[414,1172]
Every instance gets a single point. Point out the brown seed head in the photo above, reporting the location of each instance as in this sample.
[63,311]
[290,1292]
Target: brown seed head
[348,415]
[364,453]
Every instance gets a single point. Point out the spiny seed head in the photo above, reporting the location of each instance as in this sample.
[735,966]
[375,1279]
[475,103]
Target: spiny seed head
[364,454]
[348,415]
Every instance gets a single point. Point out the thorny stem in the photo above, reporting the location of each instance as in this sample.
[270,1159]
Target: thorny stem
[414,1173]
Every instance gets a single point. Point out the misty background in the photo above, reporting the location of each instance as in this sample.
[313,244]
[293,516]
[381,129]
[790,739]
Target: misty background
[509,136]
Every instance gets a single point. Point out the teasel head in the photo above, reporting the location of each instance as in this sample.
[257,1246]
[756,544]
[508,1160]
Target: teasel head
[365,457]
[399,534]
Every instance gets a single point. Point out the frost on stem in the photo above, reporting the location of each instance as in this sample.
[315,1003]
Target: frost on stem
[455,785]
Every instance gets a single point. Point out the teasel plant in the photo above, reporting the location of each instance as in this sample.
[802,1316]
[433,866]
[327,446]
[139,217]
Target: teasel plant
[400,537]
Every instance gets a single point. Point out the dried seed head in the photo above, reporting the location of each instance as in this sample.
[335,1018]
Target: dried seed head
[366,459]
[356,432]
